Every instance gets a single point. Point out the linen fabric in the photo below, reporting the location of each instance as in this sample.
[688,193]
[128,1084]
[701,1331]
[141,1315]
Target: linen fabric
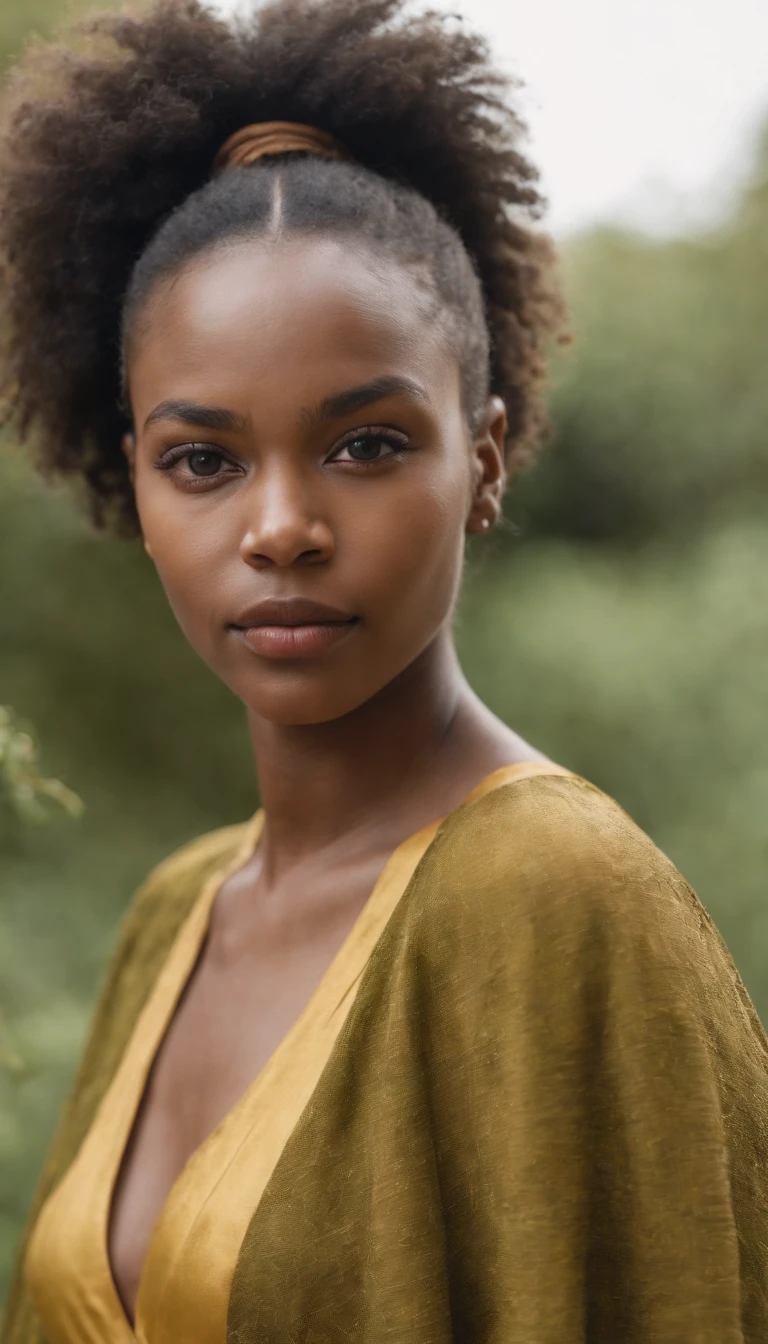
[187,1274]
[543,1120]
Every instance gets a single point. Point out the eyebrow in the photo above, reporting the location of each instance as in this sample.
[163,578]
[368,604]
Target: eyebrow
[330,408]
[191,413]
[355,398]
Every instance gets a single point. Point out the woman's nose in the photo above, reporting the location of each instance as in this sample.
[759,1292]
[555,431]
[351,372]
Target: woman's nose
[285,524]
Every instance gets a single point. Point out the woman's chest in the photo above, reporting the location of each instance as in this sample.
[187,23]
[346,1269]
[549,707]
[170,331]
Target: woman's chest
[239,1004]
[181,1246]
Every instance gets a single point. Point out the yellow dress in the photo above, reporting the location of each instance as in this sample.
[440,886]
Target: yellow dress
[187,1276]
[527,1104]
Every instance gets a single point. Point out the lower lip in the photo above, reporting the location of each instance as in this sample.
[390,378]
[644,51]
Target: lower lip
[294,641]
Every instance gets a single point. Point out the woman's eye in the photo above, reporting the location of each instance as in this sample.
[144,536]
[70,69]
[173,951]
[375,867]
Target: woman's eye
[193,464]
[204,462]
[368,448]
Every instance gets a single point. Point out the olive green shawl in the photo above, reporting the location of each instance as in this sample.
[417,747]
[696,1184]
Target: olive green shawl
[545,1120]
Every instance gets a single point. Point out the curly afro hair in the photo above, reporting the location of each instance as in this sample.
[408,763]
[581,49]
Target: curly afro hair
[106,186]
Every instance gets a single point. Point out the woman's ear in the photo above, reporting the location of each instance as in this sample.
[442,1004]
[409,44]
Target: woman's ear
[489,473]
[128,445]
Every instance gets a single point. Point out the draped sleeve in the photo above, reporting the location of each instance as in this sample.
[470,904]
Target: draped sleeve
[599,1084]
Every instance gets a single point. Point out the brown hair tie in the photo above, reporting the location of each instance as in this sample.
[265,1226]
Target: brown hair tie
[275,137]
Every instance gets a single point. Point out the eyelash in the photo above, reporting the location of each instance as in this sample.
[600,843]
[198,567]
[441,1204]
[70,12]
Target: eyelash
[396,441]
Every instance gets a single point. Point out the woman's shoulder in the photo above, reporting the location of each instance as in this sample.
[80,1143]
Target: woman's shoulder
[178,877]
[153,917]
[163,900]
[540,828]
[545,892]
[555,855]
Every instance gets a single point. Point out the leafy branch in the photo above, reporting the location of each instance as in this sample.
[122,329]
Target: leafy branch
[24,791]
[22,788]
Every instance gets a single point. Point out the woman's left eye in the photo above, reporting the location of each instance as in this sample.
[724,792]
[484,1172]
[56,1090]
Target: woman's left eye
[369,448]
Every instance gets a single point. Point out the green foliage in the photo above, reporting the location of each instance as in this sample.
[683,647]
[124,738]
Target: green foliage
[661,406]
[23,795]
[23,790]
[625,633]
[19,22]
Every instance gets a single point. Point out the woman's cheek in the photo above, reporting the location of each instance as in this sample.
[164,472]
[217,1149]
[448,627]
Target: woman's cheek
[418,569]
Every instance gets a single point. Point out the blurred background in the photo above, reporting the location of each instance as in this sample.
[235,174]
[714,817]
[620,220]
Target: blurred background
[621,624]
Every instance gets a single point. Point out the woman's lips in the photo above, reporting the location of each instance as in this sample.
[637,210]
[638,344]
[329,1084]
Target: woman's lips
[294,641]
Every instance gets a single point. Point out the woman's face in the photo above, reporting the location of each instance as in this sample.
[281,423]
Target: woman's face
[299,439]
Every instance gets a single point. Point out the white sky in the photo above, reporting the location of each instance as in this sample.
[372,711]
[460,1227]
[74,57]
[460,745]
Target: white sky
[641,110]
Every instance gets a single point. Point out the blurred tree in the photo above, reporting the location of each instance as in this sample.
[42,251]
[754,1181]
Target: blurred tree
[661,406]
[19,22]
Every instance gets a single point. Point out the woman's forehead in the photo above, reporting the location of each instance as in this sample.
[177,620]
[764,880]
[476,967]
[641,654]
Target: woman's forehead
[297,310]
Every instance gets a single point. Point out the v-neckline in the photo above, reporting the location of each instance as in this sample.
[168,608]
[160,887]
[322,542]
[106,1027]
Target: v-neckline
[186,949]
[114,1123]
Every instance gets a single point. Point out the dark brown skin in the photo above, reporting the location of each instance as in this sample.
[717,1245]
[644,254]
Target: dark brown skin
[360,746]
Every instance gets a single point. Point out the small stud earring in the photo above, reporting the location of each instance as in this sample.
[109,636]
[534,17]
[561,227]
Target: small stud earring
[485,523]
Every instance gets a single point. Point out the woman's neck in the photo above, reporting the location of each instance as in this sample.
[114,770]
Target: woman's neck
[375,775]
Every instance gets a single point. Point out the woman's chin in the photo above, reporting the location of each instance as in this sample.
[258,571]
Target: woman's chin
[303,706]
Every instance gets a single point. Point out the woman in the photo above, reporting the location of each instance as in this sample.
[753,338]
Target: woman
[438,1046]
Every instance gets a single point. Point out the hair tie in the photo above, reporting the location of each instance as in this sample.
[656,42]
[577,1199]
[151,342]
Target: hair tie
[276,137]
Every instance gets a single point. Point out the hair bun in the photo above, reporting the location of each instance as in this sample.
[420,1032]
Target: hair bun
[260,138]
